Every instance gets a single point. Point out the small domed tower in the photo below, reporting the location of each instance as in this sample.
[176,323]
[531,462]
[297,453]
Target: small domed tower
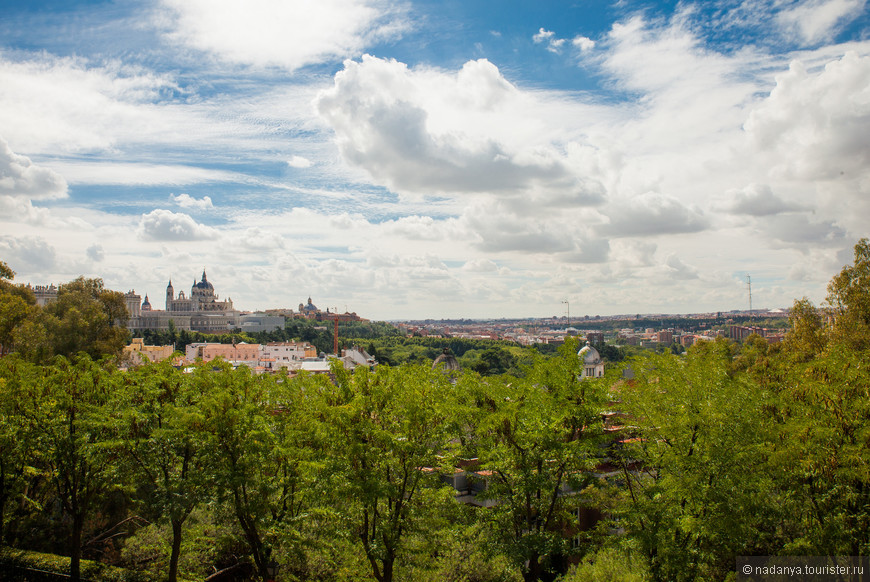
[593,366]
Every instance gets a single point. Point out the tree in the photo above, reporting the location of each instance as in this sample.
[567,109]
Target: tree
[808,335]
[17,450]
[384,431]
[849,296]
[256,451]
[87,318]
[538,438]
[494,361]
[16,305]
[699,489]
[66,414]
[824,407]
[155,420]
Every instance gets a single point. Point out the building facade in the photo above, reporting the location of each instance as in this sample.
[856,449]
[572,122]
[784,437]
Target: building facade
[200,311]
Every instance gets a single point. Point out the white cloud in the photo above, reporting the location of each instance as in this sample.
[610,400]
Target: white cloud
[587,251]
[554,44]
[109,173]
[757,200]
[188,201]
[511,198]
[428,132]
[678,270]
[284,33]
[652,214]
[96,253]
[583,43]
[108,123]
[21,177]
[165,225]
[52,104]
[27,254]
[299,162]
[816,126]
[258,240]
[801,230]
[480,266]
[419,228]
[815,21]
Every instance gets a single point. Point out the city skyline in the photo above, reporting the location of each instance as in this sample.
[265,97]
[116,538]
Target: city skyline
[438,159]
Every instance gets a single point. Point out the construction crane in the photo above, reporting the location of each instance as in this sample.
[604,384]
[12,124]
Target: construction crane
[336,317]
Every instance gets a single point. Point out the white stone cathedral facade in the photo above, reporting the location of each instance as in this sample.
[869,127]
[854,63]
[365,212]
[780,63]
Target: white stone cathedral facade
[199,311]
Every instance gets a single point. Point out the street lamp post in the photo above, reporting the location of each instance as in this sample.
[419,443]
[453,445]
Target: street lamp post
[272,568]
[568,303]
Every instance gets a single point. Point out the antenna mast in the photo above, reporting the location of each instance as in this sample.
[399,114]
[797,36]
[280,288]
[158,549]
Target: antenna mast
[749,283]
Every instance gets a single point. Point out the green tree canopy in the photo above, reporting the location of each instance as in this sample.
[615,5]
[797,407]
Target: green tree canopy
[849,295]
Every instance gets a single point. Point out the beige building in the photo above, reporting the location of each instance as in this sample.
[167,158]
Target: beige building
[138,353]
[241,353]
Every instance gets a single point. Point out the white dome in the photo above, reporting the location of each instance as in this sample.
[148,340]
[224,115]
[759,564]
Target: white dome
[590,355]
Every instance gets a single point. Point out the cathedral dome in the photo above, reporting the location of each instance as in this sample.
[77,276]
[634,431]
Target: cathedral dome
[204,284]
[589,355]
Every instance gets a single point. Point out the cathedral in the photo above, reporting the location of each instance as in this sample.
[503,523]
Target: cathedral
[202,298]
[199,311]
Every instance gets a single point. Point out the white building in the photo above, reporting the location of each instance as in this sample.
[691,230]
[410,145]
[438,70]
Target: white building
[593,366]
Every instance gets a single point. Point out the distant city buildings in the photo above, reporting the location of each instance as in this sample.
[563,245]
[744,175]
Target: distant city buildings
[202,311]
[276,356]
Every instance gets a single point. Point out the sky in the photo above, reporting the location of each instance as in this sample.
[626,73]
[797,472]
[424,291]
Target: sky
[438,159]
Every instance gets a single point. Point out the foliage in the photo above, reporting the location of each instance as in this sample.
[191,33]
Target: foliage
[383,431]
[11,558]
[63,409]
[85,318]
[849,296]
[697,491]
[731,449]
[249,433]
[535,439]
[808,335]
[17,451]
[825,410]
[206,542]
[17,303]
[609,564]
[156,431]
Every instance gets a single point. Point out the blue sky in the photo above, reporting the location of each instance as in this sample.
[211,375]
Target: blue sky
[438,158]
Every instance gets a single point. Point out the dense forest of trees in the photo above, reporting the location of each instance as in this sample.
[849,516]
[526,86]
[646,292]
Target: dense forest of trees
[729,450]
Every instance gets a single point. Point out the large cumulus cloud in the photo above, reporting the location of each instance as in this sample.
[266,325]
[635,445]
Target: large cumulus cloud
[816,126]
[428,132]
